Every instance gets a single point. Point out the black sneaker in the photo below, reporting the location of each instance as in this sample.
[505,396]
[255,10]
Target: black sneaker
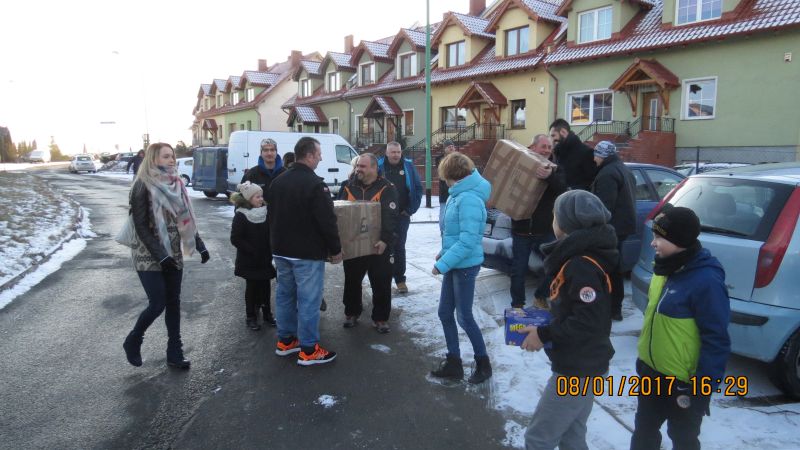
[350,321]
[252,323]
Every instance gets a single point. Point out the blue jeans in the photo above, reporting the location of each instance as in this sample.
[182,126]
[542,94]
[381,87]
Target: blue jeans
[521,247]
[297,299]
[458,292]
[399,268]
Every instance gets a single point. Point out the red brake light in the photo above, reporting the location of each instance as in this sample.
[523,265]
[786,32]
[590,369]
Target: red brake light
[771,254]
[665,200]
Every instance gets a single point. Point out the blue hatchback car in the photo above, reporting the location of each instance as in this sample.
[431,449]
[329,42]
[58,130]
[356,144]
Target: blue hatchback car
[749,221]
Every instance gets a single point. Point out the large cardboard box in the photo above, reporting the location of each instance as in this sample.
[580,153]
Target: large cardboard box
[518,318]
[512,172]
[359,226]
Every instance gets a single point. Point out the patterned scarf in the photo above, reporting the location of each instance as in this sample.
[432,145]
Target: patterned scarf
[168,194]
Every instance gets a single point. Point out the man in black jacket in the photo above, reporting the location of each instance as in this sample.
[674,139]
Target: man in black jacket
[615,185]
[269,166]
[367,185]
[444,190]
[303,235]
[135,161]
[528,234]
[572,155]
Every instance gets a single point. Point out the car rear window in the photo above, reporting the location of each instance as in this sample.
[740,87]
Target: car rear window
[735,207]
[84,158]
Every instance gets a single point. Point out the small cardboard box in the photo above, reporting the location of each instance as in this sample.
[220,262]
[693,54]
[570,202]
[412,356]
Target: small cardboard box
[512,172]
[518,318]
[359,226]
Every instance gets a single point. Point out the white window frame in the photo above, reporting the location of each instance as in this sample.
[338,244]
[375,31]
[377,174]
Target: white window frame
[458,54]
[219,100]
[591,92]
[337,81]
[413,130]
[685,97]
[235,99]
[251,94]
[412,68]
[305,88]
[357,124]
[698,13]
[595,24]
[330,125]
[371,73]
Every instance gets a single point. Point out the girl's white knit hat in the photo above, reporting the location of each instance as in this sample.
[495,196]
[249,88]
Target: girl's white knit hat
[248,190]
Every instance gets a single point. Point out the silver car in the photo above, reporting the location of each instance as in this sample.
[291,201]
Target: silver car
[749,221]
[83,163]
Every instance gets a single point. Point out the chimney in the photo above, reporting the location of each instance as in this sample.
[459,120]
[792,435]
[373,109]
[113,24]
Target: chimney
[262,65]
[476,7]
[295,57]
[348,43]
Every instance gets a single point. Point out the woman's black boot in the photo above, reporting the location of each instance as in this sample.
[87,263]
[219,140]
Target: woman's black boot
[450,368]
[482,372]
[133,348]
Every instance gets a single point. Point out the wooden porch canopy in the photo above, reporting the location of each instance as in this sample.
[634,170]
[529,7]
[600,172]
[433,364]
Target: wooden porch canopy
[480,93]
[643,73]
[382,106]
[210,125]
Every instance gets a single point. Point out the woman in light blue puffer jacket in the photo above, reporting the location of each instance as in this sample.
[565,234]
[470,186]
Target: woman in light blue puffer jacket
[459,261]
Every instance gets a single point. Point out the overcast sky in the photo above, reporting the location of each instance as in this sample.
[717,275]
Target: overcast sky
[68,66]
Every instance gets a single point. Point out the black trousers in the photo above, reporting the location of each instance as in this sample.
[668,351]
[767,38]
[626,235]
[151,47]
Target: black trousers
[256,294]
[617,281]
[163,291]
[683,424]
[379,270]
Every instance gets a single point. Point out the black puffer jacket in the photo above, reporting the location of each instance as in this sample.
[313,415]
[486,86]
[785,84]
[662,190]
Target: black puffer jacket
[615,186]
[259,174]
[577,159]
[581,311]
[253,252]
[541,221]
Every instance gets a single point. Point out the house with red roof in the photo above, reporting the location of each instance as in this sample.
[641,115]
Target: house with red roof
[669,80]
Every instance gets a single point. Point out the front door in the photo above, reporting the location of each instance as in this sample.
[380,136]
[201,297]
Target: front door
[391,130]
[652,110]
[489,124]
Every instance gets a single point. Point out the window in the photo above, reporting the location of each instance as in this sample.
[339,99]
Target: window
[454,117]
[642,191]
[235,100]
[334,125]
[367,73]
[207,102]
[408,122]
[517,113]
[365,125]
[241,126]
[663,181]
[590,107]
[700,98]
[456,54]
[305,88]
[249,125]
[406,65]
[594,25]
[219,101]
[251,94]
[333,81]
[698,10]
[517,41]
[345,154]
[299,127]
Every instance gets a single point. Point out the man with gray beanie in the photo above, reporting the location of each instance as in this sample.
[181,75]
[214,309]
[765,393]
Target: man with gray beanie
[580,348]
[615,185]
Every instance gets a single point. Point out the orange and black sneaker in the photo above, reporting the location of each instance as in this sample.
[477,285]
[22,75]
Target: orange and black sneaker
[318,356]
[287,347]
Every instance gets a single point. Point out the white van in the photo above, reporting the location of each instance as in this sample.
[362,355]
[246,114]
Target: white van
[244,148]
[185,167]
[39,156]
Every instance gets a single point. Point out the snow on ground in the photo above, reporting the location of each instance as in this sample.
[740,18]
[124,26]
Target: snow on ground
[762,419]
[326,401]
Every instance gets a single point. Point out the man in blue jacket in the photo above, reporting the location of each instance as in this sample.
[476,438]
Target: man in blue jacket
[402,173]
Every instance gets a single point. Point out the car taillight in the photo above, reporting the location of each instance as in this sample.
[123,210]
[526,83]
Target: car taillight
[665,200]
[771,253]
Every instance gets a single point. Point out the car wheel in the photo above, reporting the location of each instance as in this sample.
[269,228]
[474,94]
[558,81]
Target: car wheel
[185,180]
[210,194]
[785,370]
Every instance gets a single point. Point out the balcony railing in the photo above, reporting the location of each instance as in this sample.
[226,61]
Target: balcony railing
[365,140]
[648,123]
[604,127]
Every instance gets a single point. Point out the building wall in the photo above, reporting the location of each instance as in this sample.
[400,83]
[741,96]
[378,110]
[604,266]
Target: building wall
[472,45]
[513,18]
[273,118]
[750,112]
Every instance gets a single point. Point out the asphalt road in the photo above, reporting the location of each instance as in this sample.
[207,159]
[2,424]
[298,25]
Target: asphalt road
[65,383]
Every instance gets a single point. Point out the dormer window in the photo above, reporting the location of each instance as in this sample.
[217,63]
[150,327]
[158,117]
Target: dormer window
[207,102]
[235,100]
[594,25]
[219,101]
[305,88]
[456,54]
[251,94]
[406,65]
[517,41]
[367,73]
[690,11]
[334,81]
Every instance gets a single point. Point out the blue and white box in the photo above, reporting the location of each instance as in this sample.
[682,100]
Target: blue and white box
[519,318]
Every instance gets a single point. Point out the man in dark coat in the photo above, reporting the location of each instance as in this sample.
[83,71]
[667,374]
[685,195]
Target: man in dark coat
[136,161]
[615,185]
[269,166]
[572,155]
[529,234]
[367,185]
[444,190]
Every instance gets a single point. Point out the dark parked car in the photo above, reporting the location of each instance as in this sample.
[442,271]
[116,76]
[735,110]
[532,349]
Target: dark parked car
[210,171]
[652,184]
[695,168]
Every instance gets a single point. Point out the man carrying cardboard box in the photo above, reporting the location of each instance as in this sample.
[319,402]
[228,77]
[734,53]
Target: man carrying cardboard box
[367,185]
